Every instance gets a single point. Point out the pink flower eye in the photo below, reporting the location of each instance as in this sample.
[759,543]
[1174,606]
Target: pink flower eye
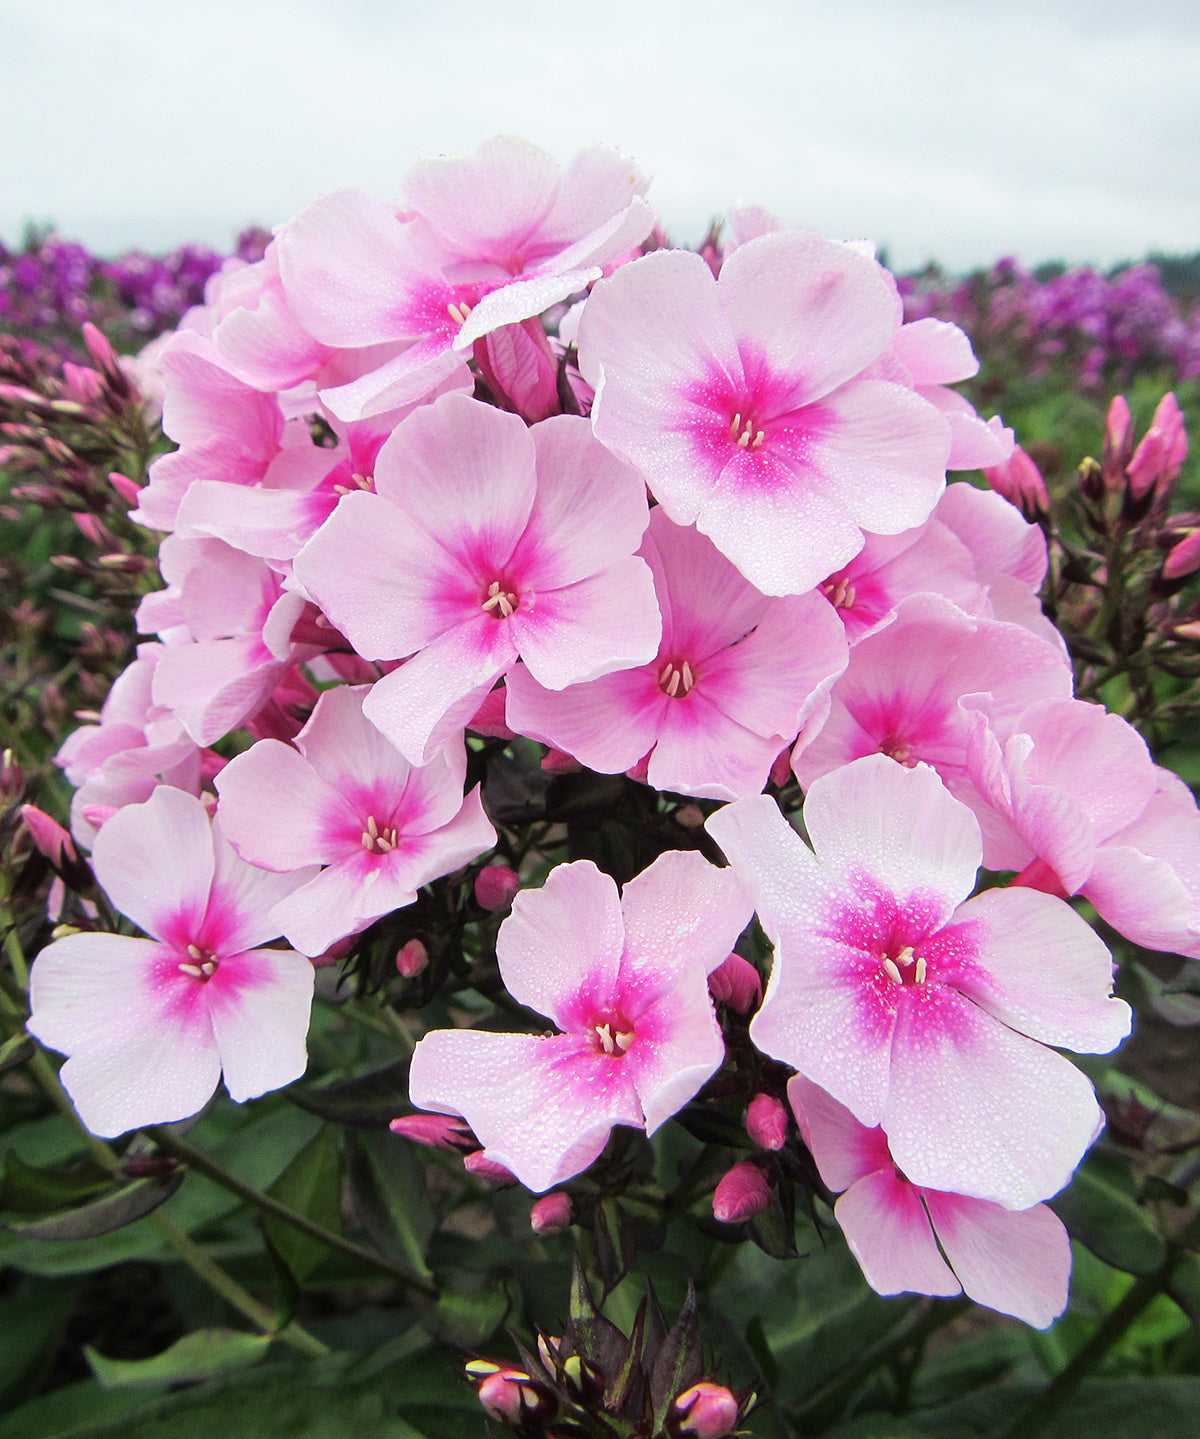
[203,964]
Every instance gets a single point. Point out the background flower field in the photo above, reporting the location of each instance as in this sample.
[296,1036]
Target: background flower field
[291,1266]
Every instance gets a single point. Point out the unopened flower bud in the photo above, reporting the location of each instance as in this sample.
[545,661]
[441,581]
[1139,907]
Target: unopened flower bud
[690,816]
[412,959]
[551,1213]
[1184,559]
[767,1121]
[48,835]
[736,983]
[1020,481]
[1118,441]
[435,1131]
[125,564]
[12,780]
[741,1194]
[107,360]
[494,1175]
[124,486]
[709,1411]
[1157,460]
[512,1397]
[496,887]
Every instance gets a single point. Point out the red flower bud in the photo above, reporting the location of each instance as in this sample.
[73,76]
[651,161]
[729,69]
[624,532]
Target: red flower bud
[412,959]
[736,983]
[710,1411]
[48,835]
[435,1131]
[551,1213]
[767,1121]
[496,887]
[510,1396]
[1020,481]
[741,1194]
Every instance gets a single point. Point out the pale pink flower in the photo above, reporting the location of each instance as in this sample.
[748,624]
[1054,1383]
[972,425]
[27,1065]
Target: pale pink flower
[925,1015]
[624,979]
[150,1025]
[484,541]
[907,1237]
[346,799]
[735,677]
[741,401]
[904,694]
[477,244]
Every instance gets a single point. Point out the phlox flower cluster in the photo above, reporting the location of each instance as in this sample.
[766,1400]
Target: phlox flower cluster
[490,459]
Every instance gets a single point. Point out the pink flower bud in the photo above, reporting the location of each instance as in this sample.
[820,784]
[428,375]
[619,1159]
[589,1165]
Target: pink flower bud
[48,835]
[689,816]
[736,983]
[767,1121]
[519,368]
[1184,559]
[336,952]
[551,1213]
[92,528]
[494,1175]
[1157,460]
[12,780]
[124,486]
[1118,433]
[741,1194]
[1020,481]
[412,959]
[710,1411]
[510,1396]
[496,887]
[781,768]
[435,1131]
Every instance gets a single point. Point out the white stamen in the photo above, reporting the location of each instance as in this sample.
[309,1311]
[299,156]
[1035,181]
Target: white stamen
[736,426]
[759,436]
[498,600]
[194,970]
[688,678]
[604,1034]
[372,827]
[890,966]
[624,1039]
[196,952]
[920,971]
[905,957]
[458,312]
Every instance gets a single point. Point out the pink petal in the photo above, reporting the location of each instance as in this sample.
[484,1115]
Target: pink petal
[888,1232]
[900,826]
[976,1109]
[274,808]
[1018,1262]
[341,900]
[155,862]
[845,1150]
[560,948]
[1042,970]
[676,1048]
[607,622]
[238,916]
[259,1004]
[607,724]
[543,1108]
[681,911]
[934,352]
[701,751]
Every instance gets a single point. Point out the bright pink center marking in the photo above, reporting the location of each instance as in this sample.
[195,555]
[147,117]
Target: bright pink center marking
[676,679]
[500,600]
[904,967]
[612,1035]
[200,964]
[376,840]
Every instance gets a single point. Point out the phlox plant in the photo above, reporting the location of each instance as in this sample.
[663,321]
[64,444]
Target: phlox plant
[604,847]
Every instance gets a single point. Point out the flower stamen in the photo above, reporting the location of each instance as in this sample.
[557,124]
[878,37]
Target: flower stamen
[205,965]
[499,603]
[676,681]
[378,841]
[458,311]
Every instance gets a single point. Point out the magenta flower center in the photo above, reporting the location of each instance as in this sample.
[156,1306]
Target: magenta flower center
[897,747]
[500,601]
[201,964]
[745,431]
[611,1036]
[905,968]
[676,679]
[377,840]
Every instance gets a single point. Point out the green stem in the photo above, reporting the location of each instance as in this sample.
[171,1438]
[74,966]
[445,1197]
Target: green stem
[202,1164]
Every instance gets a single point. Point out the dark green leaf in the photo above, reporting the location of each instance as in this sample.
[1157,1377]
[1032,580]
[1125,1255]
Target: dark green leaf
[679,1363]
[196,1356]
[1109,1222]
[387,1185]
[311,1186]
[102,1216]
[16,1049]
[1160,1408]
[470,1309]
[1184,1286]
[32,1190]
[369,1100]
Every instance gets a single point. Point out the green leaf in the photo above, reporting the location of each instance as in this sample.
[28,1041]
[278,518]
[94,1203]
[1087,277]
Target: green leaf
[1109,1222]
[196,1356]
[16,1049]
[1184,1286]
[32,1318]
[469,1310]
[1164,1407]
[28,1189]
[387,1185]
[369,1100]
[112,1211]
[311,1186]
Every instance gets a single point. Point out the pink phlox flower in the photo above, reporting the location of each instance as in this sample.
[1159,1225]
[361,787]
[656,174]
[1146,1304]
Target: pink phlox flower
[907,1238]
[225,429]
[624,979]
[741,401]
[484,541]
[227,623]
[1098,817]
[150,1025]
[904,694]
[477,244]
[344,798]
[136,746]
[925,1015]
[937,354]
[730,686]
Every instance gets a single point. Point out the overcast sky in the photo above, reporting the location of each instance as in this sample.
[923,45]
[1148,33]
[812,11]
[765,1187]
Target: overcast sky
[955,130]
